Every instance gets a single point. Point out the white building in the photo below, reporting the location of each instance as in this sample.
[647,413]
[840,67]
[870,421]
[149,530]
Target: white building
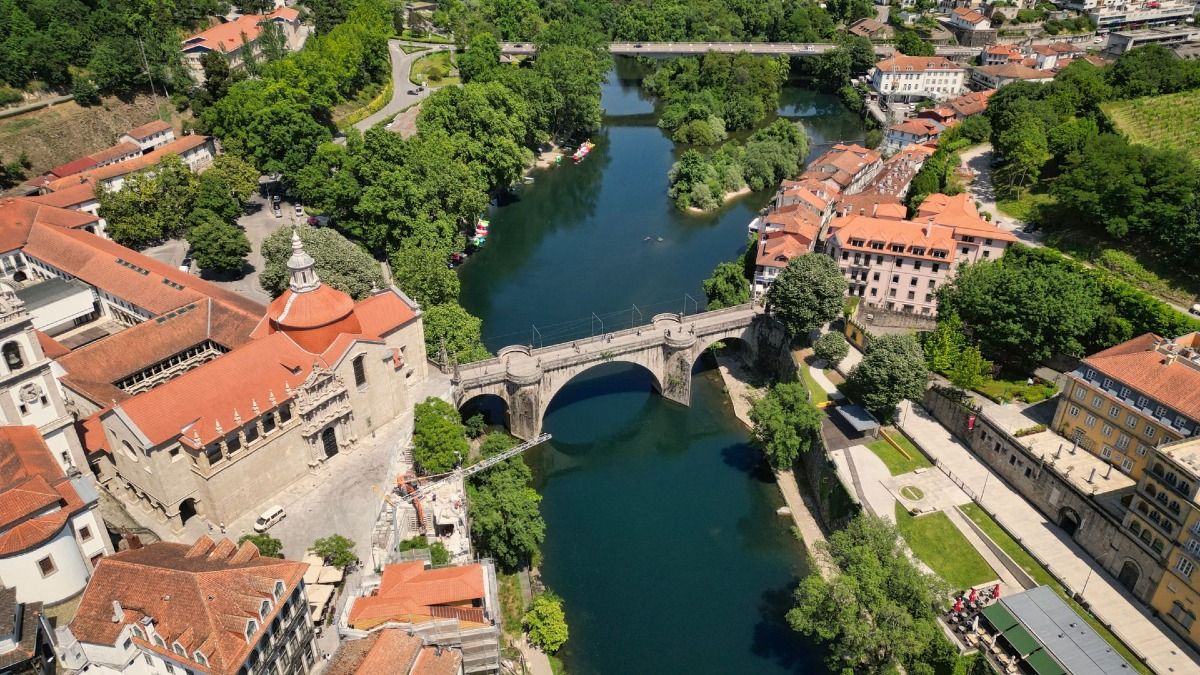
[50,534]
[150,135]
[918,77]
[211,607]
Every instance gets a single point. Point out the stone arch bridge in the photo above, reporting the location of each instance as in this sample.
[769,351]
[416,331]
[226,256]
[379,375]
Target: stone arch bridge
[527,379]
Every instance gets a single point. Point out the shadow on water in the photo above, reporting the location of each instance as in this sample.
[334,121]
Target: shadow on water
[749,460]
[775,640]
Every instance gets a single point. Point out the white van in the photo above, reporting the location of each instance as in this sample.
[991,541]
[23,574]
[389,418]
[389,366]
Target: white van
[268,518]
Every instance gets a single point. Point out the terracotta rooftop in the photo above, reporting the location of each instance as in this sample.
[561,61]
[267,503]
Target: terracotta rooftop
[126,274]
[916,64]
[959,212]
[969,15]
[408,590]
[906,233]
[972,103]
[1001,50]
[36,498]
[392,651]
[775,249]
[72,167]
[20,215]
[101,174]
[1142,364]
[147,130]
[115,152]
[79,193]
[841,164]
[228,37]
[93,370]
[201,596]
[1014,71]
[916,126]
[866,27]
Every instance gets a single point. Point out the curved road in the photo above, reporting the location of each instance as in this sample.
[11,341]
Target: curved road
[401,67]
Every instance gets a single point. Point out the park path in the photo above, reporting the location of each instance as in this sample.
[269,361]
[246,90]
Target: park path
[1111,603]
[401,68]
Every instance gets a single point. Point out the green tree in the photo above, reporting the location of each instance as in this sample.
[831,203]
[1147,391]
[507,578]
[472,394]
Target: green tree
[217,244]
[153,204]
[439,439]
[546,623]
[785,424]
[1025,151]
[831,348]
[505,520]
[807,293]
[450,325]
[85,91]
[423,274]
[438,554]
[480,58]
[908,42]
[13,172]
[893,369]
[945,343]
[726,287]
[339,263]
[335,550]
[475,425]
[267,545]
[969,369]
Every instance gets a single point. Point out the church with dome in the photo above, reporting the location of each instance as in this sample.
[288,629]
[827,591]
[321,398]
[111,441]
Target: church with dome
[211,408]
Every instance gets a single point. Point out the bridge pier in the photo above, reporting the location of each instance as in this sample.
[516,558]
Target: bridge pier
[524,411]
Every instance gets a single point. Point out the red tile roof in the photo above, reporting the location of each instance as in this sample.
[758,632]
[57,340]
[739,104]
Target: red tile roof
[392,651]
[409,590]
[1014,71]
[972,103]
[841,164]
[228,37]
[1143,365]
[917,64]
[201,595]
[129,275]
[147,130]
[73,167]
[79,193]
[907,233]
[101,174]
[36,498]
[916,126]
[115,152]
[50,347]
[969,15]
[19,216]
[776,249]
[959,212]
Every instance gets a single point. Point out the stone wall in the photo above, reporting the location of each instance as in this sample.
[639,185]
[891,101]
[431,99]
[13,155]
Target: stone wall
[1099,532]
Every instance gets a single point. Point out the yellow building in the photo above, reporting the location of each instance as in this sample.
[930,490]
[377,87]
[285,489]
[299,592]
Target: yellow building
[1165,509]
[1121,403]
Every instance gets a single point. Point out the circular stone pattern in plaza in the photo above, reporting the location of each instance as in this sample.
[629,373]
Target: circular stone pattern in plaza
[912,493]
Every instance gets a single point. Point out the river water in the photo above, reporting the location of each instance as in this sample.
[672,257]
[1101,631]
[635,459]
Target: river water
[662,536]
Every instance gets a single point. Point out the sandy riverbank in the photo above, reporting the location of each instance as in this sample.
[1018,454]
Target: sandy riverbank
[547,159]
[729,197]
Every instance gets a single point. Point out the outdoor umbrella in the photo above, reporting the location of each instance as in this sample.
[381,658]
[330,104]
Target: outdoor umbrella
[973,595]
[996,592]
[958,605]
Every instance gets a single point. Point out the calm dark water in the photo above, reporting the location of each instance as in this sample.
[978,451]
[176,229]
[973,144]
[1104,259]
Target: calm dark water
[662,536]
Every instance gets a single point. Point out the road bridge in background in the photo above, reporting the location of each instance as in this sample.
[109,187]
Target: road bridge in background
[666,49]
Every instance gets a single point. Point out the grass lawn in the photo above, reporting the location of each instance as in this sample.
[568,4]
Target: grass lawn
[1043,577]
[428,38]
[935,540]
[1003,391]
[410,49]
[512,606]
[433,70]
[1025,208]
[896,462]
[1168,121]
[819,395]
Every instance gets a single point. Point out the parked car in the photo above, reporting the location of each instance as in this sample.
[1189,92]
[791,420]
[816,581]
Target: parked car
[268,518]
[1195,309]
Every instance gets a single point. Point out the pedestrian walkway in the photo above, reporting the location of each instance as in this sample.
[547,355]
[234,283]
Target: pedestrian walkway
[817,371]
[1008,583]
[1111,603]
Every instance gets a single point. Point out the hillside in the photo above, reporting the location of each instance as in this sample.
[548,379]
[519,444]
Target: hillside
[1169,121]
[60,133]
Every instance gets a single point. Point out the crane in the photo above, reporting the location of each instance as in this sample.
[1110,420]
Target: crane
[462,473]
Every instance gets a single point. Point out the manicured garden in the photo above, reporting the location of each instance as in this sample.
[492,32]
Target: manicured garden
[1043,577]
[1003,391]
[433,70]
[819,396]
[896,462]
[935,540]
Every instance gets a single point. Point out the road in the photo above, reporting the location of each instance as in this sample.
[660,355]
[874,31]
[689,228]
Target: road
[684,48]
[401,85]
[979,159]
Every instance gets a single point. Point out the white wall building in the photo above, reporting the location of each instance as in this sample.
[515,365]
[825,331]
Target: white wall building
[917,77]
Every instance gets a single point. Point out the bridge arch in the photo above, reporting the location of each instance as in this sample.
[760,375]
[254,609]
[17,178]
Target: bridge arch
[551,393]
[493,407]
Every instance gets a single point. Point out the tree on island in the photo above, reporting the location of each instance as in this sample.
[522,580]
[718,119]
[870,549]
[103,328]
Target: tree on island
[339,262]
[335,550]
[268,546]
[546,623]
[785,424]
[893,369]
[217,244]
[831,348]
[505,519]
[807,294]
[439,439]
[727,287]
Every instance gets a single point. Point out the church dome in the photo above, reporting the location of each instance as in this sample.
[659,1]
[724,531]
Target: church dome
[311,313]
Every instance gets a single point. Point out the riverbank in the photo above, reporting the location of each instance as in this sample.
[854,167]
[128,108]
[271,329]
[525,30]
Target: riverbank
[725,200]
[738,378]
[548,157]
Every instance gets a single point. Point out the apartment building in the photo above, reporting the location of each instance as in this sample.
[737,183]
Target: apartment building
[150,135]
[775,250]
[995,77]
[910,78]
[899,264]
[970,28]
[1118,14]
[234,40]
[1123,401]
[912,131]
[1165,514]
[213,607]
[845,168]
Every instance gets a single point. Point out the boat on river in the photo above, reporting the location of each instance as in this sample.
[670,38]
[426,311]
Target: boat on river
[583,151]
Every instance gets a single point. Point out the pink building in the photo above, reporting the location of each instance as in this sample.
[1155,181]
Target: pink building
[899,264]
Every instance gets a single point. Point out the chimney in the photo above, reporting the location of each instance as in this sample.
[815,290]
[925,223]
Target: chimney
[118,612]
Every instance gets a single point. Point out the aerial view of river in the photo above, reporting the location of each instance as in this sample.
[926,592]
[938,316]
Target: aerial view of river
[662,536]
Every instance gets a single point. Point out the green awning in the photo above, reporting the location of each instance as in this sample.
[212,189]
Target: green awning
[1000,618]
[1021,641]
[1042,664]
